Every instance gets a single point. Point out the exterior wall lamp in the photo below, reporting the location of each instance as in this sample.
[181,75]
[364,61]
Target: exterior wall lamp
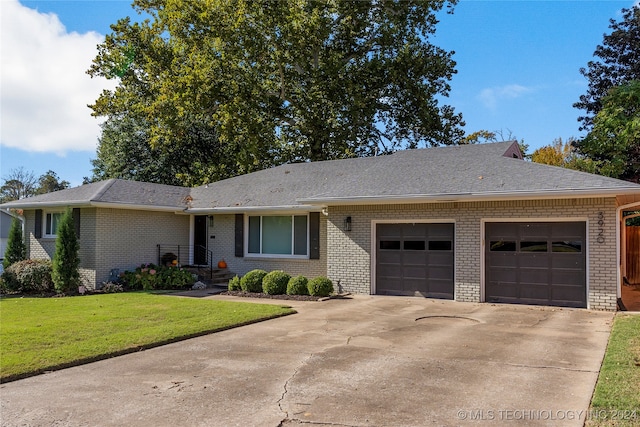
[347,224]
[210,221]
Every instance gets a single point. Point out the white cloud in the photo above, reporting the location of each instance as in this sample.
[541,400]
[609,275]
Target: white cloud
[44,86]
[491,96]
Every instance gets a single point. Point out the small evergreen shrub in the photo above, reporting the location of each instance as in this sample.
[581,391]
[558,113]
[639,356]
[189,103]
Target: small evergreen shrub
[66,263]
[31,275]
[298,286]
[320,287]
[252,281]
[16,249]
[275,283]
[234,284]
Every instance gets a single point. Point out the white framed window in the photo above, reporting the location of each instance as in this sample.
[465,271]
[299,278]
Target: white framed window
[283,236]
[51,223]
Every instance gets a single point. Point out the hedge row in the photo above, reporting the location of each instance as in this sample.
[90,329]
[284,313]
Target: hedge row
[279,283]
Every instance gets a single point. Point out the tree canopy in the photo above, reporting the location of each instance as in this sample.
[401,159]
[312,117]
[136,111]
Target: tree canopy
[617,62]
[281,81]
[20,183]
[614,142]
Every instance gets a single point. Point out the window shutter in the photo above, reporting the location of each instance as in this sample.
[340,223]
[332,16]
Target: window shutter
[37,229]
[239,235]
[76,221]
[314,235]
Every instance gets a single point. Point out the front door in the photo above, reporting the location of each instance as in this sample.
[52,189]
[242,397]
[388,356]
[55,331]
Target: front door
[200,240]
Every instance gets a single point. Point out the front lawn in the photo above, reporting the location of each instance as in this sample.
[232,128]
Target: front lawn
[616,400]
[40,334]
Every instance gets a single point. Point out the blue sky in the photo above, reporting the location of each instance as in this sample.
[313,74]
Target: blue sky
[518,72]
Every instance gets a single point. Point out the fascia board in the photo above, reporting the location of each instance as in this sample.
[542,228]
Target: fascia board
[469,197]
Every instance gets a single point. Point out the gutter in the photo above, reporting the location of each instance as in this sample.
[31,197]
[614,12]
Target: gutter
[243,209]
[469,197]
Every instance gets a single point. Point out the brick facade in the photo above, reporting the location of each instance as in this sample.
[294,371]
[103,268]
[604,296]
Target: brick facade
[123,239]
[349,260]
[114,239]
[223,243]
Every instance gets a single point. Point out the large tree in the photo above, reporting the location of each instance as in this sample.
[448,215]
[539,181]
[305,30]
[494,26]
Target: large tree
[617,62]
[125,151]
[18,184]
[283,80]
[614,141]
[49,182]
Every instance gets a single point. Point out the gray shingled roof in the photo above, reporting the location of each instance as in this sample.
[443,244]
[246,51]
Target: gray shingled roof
[468,172]
[449,173]
[112,191]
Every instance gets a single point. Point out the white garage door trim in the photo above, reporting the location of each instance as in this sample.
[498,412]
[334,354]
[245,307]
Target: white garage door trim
[483,221]
[372,260]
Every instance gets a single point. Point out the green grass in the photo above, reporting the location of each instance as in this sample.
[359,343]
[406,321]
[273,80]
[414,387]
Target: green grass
[41,334]
[616,400]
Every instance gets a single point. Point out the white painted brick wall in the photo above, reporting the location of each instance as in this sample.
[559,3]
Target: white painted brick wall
[223,247]
[349,259]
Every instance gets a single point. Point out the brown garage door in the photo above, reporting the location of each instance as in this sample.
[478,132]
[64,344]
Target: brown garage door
[536,263]
[414,259]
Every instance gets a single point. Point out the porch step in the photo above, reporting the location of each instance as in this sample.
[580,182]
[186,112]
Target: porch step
[217,276]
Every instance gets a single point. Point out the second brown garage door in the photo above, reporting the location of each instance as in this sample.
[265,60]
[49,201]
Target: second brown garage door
[536,263]
[415,259]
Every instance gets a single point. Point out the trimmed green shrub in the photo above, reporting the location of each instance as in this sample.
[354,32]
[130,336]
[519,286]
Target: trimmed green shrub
[275,283]
[16,249]
[66,263]
[252,281]
[150,276]
[320,287]
[234,283]
[298,286]
[30,275]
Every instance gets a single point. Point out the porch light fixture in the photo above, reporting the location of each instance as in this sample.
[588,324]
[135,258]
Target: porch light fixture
[347,224]
[210,220]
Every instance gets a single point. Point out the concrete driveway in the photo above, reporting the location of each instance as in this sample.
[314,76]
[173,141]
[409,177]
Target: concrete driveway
[365,361]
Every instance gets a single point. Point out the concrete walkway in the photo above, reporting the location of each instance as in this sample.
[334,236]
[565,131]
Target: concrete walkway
[365,361]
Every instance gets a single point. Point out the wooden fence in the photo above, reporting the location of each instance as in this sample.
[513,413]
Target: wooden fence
[633,254]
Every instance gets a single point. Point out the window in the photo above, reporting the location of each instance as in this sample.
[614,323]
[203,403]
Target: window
[502,246]
[567,246]
[528,246]
[440,245]
[280,235]
[52,220]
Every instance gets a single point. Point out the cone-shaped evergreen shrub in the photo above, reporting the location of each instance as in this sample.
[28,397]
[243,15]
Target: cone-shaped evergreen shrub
[16,249]
[66,263]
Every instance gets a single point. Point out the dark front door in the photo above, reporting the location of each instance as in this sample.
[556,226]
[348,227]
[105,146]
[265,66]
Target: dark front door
[541,263]
[415,259]
[200,240]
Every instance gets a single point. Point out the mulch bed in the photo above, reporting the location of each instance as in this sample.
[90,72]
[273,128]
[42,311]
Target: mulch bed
[283,297]
[261,295]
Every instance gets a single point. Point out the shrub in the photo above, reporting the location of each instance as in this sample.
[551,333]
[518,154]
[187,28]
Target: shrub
[16,249]
[173,278]
[66,273]
[275,283]
[234,284]
[150,276]
[31,275]
[320,287]
[9,282]
[252,281]
[298,286]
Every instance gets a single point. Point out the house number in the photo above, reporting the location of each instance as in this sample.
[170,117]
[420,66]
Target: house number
[600,238]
